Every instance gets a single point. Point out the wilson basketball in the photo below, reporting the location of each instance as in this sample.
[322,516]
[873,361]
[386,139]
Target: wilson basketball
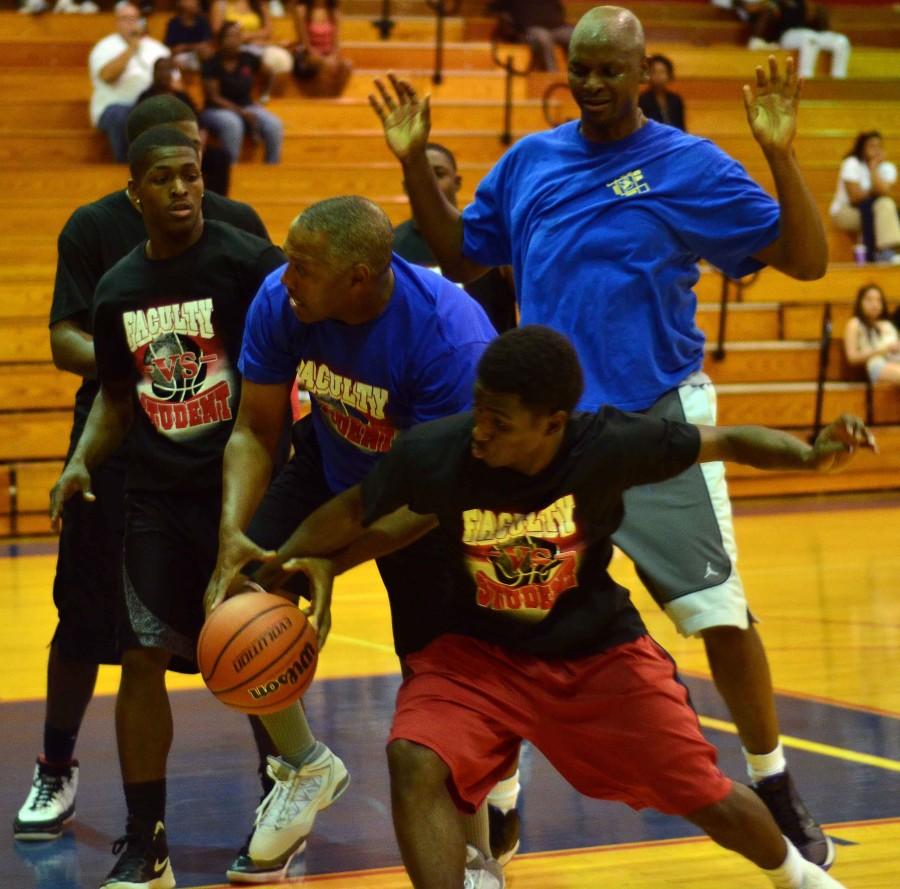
[257,653]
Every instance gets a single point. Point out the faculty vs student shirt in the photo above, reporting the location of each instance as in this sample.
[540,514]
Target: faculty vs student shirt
[173,327]
[532,551]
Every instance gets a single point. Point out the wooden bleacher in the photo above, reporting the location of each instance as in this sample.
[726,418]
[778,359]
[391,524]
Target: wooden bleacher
[51,161]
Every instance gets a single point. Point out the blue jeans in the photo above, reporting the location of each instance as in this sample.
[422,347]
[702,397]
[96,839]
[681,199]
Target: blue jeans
[112,124]
[228,127]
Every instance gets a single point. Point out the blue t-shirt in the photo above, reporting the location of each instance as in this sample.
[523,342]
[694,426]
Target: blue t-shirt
[604,239]
[414,362]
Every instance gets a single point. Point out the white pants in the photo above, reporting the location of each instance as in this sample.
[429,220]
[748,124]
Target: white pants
[810,43]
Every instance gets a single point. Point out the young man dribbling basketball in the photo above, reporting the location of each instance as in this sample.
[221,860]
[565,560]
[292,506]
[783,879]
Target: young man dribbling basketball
[545,645]
[167,329]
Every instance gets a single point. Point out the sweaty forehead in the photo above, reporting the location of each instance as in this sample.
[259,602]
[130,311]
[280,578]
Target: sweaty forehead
[603,49]
[169,156]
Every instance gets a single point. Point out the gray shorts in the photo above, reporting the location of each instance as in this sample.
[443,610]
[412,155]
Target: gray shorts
[679,533]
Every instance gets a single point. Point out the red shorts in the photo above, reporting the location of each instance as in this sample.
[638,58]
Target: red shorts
[616,725]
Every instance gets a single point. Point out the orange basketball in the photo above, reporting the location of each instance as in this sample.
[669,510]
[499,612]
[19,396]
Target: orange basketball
[257,653]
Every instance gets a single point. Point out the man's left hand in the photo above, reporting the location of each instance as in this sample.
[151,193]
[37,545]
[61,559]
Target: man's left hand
[837,443]
[772,111]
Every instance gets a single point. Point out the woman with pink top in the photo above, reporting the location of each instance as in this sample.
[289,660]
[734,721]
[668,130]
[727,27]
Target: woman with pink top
[319,63]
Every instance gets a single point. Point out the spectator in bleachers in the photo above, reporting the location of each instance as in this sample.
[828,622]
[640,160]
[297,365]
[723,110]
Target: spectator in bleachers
[256,24]
[121,68]
[228,82]
[318,61]
[871,339]
[215,162]
[804,26]
[539,23]
[493,291]
[36,7]
[189,36]
[863,201]
[658,102]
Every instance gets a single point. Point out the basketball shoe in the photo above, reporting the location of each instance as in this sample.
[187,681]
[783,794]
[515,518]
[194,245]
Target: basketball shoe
[504,827]
[144,863]
[792,816]
[481,872]
[285,817]
[50,803]
[815,878]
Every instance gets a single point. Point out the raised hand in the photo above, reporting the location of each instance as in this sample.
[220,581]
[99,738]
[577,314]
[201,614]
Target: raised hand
[235,551]
[405,117]
[75,477]
[837,443]
[772,111]
[320,573]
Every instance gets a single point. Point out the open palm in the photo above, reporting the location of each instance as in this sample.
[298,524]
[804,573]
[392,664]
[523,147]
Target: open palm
[772,111]
[406,118]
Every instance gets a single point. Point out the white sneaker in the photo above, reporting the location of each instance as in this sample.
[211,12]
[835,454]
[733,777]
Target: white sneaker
[50,803]
[481,872]
[285,817]
[815,878]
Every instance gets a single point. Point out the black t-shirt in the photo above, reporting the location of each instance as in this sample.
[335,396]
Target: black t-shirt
[533,551]
[173,327]
[491,291]
[95,238]
[236,84]
[178,33]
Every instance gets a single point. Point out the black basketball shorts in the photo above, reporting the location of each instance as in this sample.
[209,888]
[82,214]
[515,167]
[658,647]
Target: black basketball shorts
[171,540]
[87,589]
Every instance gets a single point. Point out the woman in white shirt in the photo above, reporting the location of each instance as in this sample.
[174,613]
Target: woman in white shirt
[863,202]
[871,339]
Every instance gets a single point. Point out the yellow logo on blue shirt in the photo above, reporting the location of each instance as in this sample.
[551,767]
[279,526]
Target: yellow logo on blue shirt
[629,184]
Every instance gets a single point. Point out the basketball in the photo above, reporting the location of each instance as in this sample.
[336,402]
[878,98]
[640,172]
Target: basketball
[257,653]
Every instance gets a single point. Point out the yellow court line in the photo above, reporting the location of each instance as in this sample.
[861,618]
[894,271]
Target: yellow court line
[880,762]
[363,643]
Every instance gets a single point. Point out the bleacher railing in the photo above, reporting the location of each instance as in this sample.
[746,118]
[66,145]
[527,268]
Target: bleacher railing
[509,66]
[385,24]
[441,8]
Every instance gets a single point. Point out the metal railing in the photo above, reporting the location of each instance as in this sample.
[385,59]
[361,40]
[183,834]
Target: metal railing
[385,24]
[547,103]
[442,8]
[509,66]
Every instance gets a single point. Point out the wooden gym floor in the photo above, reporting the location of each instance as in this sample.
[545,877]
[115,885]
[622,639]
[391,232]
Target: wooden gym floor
[822,576]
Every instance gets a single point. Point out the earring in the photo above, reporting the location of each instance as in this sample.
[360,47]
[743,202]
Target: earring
[137,201]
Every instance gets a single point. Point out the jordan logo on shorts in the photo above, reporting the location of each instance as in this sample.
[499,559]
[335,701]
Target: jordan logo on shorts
[710,571]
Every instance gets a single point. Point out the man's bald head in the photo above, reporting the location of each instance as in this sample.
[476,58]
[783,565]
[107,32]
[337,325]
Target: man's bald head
[613,25]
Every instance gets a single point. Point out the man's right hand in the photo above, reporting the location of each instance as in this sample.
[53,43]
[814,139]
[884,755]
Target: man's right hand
[236,549]
[406,118]
[75,477]
[320,573]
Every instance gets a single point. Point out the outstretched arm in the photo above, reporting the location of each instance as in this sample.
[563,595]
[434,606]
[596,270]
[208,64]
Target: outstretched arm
[407,123]
[800,250]
[767,448]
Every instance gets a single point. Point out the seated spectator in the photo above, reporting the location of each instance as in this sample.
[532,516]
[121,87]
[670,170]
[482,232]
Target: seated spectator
[539,23]
[657,101]
[803,25]
[121,68]
[228,81]
[863,202]
[493,291]
[871,339]
[318,61]
[256,24]
[215,162]
[189,36]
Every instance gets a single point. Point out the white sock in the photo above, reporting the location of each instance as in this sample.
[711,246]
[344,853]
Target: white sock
[790,874]
[505,794]
[765,765]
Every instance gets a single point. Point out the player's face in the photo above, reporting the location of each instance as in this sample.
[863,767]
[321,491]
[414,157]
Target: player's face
[316,290]
[605,81]
[506,433]
[447,178]
[170,191]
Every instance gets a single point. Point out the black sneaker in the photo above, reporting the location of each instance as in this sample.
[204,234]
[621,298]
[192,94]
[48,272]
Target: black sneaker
[504,829]
[144,863]
[792,816]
